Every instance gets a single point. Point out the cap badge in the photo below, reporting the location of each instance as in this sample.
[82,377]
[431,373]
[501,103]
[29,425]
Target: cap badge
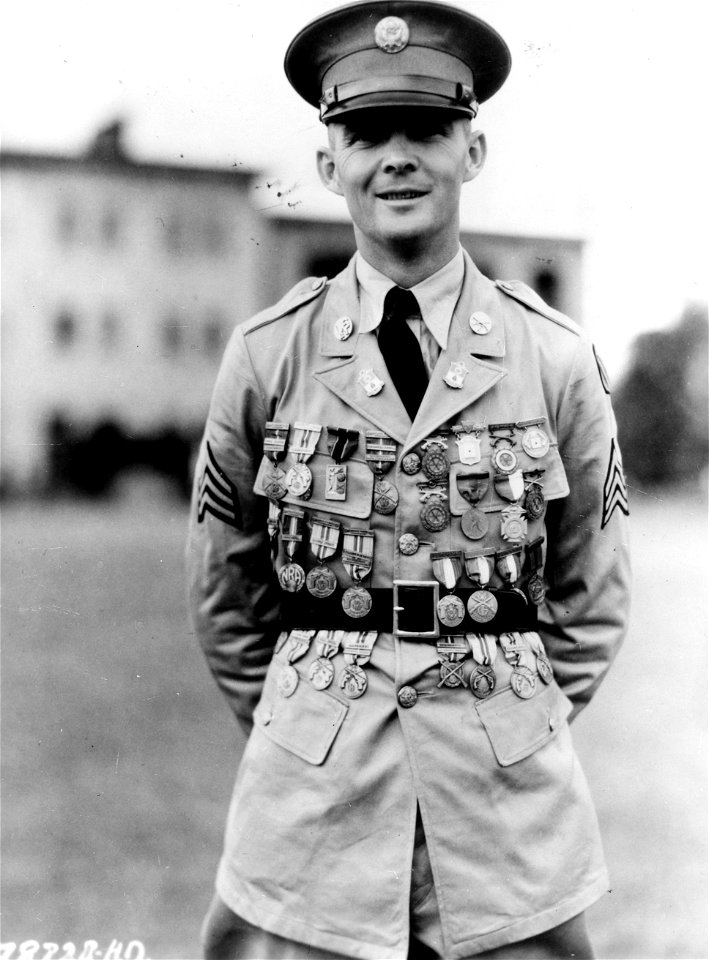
[391,34]
[343,328]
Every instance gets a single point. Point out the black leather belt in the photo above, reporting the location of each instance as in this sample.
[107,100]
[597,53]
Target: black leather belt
[409,611]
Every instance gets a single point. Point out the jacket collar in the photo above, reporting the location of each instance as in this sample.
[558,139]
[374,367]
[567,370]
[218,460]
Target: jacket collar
[344,360]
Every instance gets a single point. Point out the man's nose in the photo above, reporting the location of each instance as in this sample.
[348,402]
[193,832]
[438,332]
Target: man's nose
[399,155]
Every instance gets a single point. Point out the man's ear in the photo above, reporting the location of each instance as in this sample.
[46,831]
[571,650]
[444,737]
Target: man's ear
[477,151]
[327,168]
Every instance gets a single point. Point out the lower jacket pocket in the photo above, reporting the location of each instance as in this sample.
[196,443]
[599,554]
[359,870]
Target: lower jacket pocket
[517,728]
[305,723]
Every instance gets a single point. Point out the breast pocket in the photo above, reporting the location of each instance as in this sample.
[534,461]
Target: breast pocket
[518,728]
[304,723]
[358,488]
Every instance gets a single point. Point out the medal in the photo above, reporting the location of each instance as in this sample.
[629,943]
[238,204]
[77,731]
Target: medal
[535,442]
[287,681]
[457,372]
[322,671]
[381,454]
[451,652]
[518,653]
[534,501]
[482,680]
[447,568]
[274,447]
[324,537]
[356,602]
[434,513]
[411,463]
[473,487]
[467,438]
[357,649]
[341,444]
[299,479]
[482,606]
[291,577]
[524,683]
[357,558]
[504,458]
[535,562]
[435,463]
[544,667]
[513,526]
[451,610]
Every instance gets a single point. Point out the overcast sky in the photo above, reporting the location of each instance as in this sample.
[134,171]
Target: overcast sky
[599,132]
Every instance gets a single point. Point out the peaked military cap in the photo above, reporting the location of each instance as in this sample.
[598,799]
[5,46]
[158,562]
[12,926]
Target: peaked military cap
[396,53]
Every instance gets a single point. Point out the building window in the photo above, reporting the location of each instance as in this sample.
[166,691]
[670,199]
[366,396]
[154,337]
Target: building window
[546,283]
[109,228]
[172,338]
[65,330]
[67,223]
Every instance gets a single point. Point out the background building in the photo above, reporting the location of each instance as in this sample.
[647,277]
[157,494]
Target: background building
[121,283]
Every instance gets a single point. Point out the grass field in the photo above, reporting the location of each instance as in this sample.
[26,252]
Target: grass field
[119,754]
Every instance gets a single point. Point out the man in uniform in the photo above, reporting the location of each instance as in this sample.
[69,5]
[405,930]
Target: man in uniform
[407,558]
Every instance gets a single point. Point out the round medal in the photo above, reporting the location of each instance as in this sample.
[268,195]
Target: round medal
[274,487]
[524,683]
[450,674]
[299,479]
[451,610]
[482,681]
[544,668]
[474,523]
[321,673]
[534,502]
[287,682]
[386,497]
[352,681]
[482,606]
[321,581]
[535,442]
[434,515]
[408,544]
[356,602]
[411,464]
[435,463]
[505,460]
[291,577]
[535,589]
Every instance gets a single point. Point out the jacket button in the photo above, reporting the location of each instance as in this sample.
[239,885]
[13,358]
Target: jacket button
[407,696]
[408,544]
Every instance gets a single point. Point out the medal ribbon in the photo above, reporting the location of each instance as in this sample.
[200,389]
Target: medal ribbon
[535,554]
[292,533]
[305,440]
[473,486]
[509,565]
[358,552]
[298,644]
[341,443]
[381,451]
[483,647]
[447,567]
[324,537]
[523,424]
[510,486]
[327,642]
[274,442]
[478,568]
[502,431]
[357,647]
[452,648]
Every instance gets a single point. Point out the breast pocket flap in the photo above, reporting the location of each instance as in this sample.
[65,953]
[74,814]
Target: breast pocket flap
[517,728]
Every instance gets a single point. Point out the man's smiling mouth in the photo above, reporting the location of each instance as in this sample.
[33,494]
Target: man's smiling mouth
[401,194]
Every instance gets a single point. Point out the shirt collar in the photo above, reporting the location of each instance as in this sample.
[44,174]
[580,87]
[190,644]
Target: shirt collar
[437,295]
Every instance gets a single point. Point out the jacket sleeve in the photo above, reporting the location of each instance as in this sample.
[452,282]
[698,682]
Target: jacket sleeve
[587,565]
[232,594]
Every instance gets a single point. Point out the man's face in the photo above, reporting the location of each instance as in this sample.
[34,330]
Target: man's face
[401,171]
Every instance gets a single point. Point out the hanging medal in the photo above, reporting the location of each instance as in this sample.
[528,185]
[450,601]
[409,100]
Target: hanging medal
[357,649]
[482,680]
[296,647]
[292,576]
[322,671]
[447,568]
[508,564]
[357,558]
[434,513]
[519,655]
[473,487]
[535,563]
[535,442]
[341,444]
[513,524]
[324,536]
[299,479]
[502,440]
[509,486]
[274,447]
[544,667]
[451,653]
[381,454]
[435,463]
[482,604]
[467,438]
[533,497]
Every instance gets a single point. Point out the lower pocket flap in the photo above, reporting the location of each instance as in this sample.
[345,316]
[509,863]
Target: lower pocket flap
[305,723]
[516,727]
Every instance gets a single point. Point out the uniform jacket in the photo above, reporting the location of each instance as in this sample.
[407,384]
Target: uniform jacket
[321,827]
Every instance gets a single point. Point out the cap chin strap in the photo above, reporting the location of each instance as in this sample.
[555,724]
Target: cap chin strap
[456,94]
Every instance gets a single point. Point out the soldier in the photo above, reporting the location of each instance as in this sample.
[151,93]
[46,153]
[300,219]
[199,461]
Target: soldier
[407,558]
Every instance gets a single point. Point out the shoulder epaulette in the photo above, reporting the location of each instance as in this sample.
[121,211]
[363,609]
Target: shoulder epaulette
[529,298]
[302,293]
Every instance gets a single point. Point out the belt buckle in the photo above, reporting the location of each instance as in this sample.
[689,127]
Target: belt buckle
[400,587]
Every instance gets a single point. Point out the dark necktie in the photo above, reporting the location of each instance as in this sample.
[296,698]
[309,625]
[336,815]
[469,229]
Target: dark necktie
[400,348]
